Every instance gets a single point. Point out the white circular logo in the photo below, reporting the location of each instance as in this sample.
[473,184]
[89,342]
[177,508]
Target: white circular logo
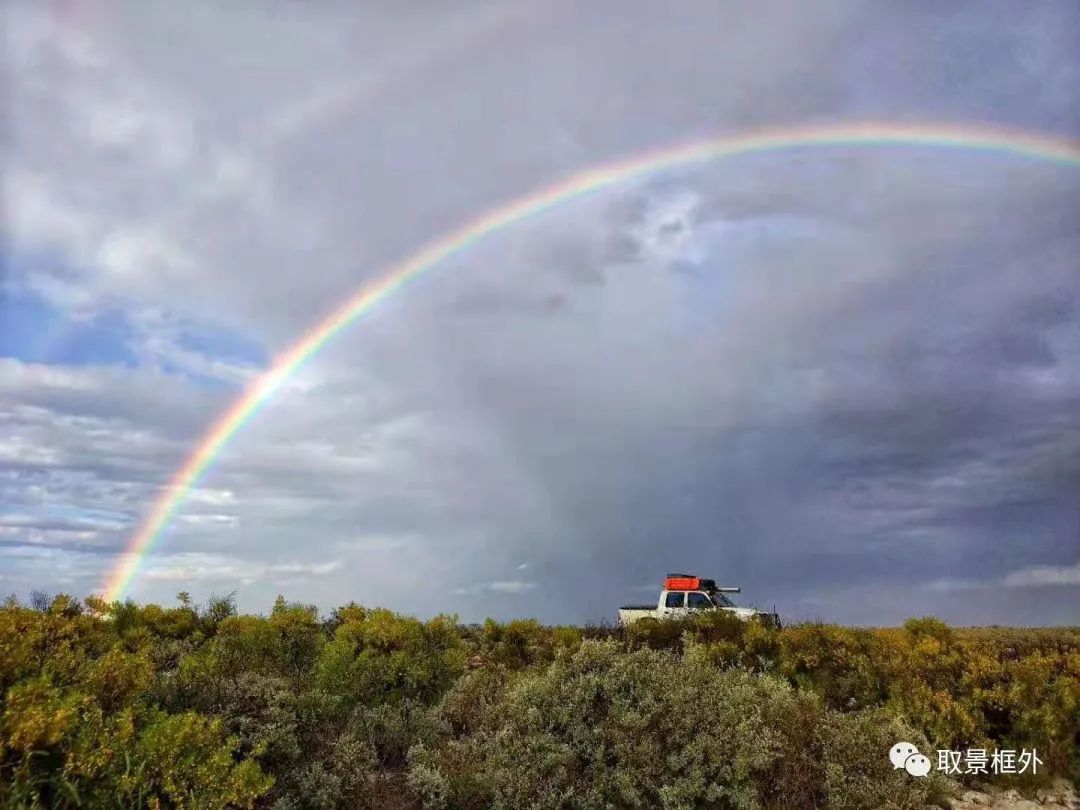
[900,752]
[917,765]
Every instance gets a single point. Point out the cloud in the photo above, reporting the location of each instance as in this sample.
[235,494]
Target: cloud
[949,585]
[163,340]
[372,544]
[198,567]
[488,302]
[89,522]
[1036,576]
[213,497]
[802,371]
[1041,576]
[511,587]
[211,521]
[305,568]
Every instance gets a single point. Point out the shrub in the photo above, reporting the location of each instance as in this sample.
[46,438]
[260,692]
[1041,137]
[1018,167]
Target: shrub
[655,634]
[118,704]
[472,703]
[185,760]
[344,778]
[377,656]
[299,637]
[838,663]
[390,730]
[520,643]
[858,773]
[602,727]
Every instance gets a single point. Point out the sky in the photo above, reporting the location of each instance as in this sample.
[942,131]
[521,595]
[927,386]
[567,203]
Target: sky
[846,380]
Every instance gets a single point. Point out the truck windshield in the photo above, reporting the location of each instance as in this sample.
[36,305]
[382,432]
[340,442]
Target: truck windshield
[721,601]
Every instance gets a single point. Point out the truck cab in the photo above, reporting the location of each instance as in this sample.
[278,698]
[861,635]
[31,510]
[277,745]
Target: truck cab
[684,595]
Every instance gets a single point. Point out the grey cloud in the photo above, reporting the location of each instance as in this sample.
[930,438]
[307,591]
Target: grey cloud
[488,302]
[1043,575]
[830,376]
[507,587]
[1039,576]
[576,260]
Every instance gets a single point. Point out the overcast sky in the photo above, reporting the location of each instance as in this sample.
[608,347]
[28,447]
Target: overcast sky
[847,380]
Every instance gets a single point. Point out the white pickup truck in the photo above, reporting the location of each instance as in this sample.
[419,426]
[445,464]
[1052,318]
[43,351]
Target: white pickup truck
[683,595]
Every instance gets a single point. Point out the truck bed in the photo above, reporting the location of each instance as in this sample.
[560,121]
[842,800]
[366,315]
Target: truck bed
[637,607]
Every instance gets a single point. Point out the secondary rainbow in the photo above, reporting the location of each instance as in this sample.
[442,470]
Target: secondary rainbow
[1029,145]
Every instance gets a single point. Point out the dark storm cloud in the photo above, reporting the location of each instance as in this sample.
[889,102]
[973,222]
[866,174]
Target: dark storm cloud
[898,436]
[967,64]
[845,379]
[576,261]
[491,302]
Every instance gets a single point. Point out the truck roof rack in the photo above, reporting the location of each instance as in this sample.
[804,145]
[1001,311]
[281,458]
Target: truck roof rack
[689,582]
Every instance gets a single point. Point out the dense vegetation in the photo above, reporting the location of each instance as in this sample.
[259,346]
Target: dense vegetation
[121,705]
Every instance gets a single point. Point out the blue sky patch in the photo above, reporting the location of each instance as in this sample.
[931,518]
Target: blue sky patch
[37,332]
[229,346]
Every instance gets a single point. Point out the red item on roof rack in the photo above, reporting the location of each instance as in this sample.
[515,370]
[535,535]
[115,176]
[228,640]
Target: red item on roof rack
[682,582]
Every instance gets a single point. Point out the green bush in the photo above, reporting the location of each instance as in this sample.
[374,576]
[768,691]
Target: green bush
[345,777]
[377,656]
[391,729]
[602,727]
[105,705]
[77,730]
[836,662]
[521,643]
[857,773]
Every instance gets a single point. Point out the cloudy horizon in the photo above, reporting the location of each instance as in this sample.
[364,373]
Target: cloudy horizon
[845,379]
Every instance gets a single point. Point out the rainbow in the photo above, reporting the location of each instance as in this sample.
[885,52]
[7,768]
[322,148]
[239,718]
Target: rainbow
[1029,145]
